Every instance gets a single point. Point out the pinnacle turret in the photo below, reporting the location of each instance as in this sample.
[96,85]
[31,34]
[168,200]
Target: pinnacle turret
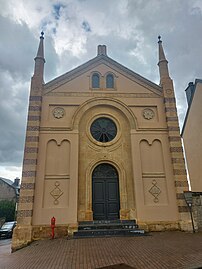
[163,63]
[39,59]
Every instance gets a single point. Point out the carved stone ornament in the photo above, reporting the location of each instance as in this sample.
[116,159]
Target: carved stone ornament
[58,112]
[56,193]
[169,91]
[155,191]
[148,113]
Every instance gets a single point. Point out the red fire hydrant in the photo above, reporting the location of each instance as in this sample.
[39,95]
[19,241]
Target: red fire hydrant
[53,227]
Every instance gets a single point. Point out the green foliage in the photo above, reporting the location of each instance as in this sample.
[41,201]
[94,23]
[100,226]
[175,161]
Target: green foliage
[7,210]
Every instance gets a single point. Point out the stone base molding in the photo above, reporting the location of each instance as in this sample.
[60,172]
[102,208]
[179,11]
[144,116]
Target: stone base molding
[162,226]
[22,236]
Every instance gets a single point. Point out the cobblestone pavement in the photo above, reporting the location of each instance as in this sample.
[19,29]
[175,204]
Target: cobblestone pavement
[157,250]
[5,249]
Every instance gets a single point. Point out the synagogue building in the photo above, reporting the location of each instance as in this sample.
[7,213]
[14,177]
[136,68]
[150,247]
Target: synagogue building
[102,143]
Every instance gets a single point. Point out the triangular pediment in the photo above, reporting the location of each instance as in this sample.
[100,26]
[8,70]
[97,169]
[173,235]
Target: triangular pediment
[111,66]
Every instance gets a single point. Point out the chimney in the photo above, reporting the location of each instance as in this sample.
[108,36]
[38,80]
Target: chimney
[102,50]
[190,92]
[16,182]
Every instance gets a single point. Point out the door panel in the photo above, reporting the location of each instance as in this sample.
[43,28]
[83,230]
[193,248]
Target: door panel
[112,190]
[99,199]
[99,193]
[99,208]
[106,204]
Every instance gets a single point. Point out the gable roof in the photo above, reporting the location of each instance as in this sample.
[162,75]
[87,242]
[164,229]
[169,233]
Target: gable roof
[7,181]
[10,183]
[101,59]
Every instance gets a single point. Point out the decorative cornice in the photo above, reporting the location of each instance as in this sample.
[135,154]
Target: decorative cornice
[70,129]
[103,94]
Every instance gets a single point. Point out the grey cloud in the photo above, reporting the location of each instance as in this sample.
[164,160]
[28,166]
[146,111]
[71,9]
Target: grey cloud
[13,96]
[86,26]
[18,47]
[15,66]
[52,60]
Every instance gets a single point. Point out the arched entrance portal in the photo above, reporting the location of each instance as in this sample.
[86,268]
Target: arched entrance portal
[105,193]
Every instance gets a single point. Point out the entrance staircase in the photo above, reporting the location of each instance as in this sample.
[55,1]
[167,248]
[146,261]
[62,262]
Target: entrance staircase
[103,228]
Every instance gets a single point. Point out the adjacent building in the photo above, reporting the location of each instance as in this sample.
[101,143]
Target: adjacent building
[102,143]
[191,134]
[9,190]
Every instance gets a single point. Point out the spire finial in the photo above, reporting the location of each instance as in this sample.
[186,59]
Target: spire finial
[42,34]
[39,59]
[159,38]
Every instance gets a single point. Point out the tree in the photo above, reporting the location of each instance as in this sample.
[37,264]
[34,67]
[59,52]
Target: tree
[7,210]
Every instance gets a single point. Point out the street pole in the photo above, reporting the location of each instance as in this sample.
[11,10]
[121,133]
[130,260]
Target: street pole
[189,201]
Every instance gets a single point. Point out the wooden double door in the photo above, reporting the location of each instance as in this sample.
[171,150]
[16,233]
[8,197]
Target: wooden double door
[105,192]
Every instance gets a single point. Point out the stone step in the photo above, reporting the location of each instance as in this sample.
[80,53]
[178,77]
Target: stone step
[101,228]
[129,222]
[108,232]
[110,226]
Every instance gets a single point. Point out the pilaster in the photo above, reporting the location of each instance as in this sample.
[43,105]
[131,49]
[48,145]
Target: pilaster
[176,149]
[23,231]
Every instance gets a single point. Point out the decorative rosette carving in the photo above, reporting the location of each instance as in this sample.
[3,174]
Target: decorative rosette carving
[58,112]
[148,113]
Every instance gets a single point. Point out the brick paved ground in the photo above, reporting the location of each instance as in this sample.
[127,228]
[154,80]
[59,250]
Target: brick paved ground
[159,250]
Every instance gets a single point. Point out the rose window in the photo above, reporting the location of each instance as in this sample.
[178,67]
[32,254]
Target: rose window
[103,130]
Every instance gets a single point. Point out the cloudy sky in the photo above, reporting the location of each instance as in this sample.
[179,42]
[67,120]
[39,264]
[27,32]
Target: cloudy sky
[73,29]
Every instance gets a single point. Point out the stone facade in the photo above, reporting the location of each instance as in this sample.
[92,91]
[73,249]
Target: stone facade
[101,114]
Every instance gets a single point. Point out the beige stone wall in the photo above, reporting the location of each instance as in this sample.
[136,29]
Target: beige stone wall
[156,197]
[140,151]
[124,82]
[57,177]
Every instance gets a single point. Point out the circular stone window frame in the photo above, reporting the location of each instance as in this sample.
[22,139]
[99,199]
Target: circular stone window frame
[103,144]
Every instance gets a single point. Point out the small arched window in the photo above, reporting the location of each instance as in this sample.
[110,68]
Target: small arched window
[95,80]
[110,81]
